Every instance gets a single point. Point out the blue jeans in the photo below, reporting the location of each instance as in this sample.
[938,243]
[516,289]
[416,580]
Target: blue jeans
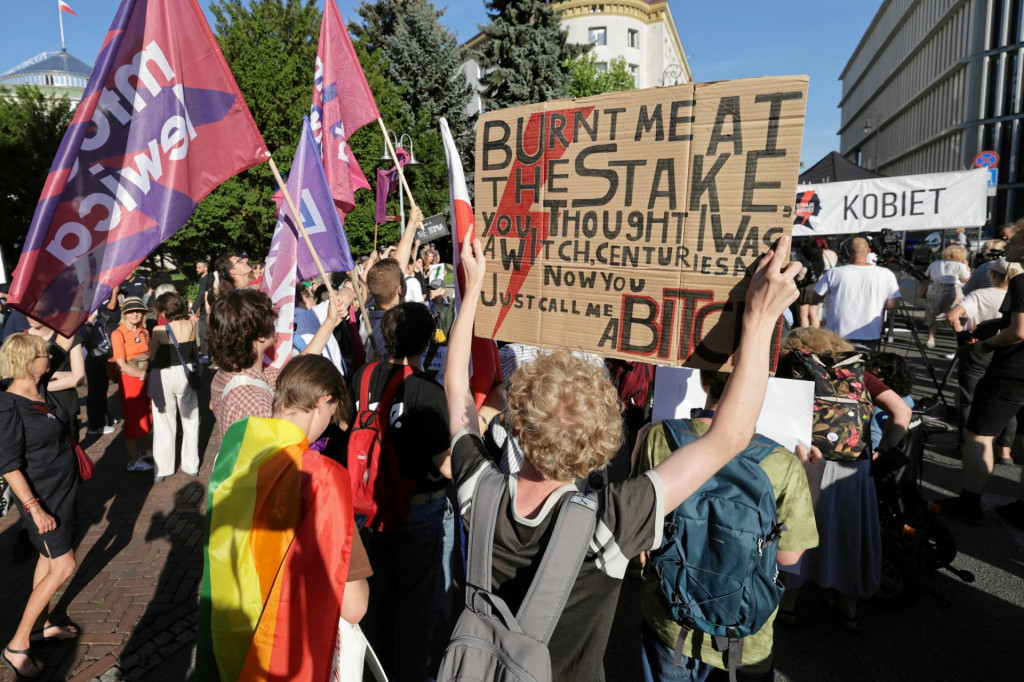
[658,662]
[407,589]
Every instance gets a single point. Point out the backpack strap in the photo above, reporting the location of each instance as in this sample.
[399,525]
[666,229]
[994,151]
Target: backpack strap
[364,386]
[566,549]
[243,380]
[486,498]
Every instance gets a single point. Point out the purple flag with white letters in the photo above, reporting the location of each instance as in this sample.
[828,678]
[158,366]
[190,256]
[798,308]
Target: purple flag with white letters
[161,124]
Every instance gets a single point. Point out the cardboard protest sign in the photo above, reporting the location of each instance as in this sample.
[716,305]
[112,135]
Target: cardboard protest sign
[433,228]
[624,224]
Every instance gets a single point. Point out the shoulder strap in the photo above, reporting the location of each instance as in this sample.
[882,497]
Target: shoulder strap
[541,608]
[364,385]
[679,432]
[243,380]
[484,518]
[177,348]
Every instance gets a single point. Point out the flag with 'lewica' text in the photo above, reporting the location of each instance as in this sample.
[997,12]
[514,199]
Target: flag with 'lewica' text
[161,124]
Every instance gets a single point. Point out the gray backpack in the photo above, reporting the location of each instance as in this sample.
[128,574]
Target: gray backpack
[489,643]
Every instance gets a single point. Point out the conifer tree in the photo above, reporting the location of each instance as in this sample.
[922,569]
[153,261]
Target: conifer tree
[525,54]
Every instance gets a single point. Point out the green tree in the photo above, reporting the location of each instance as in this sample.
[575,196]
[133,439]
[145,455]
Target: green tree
[32,126]
[270,46]
[420,53]
[525,54]
[587,79]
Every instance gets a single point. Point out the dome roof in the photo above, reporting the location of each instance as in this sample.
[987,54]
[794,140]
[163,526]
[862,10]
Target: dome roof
[51,69]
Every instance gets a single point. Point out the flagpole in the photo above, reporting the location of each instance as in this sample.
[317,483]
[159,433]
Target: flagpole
[316,257]
[60,16]
[394,157]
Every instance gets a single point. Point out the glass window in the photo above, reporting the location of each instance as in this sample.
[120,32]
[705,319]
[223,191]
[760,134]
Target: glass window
[598,36]
[634,38]
[602,67]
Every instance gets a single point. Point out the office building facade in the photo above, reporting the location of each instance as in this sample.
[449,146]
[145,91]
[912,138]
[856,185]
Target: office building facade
[934,82]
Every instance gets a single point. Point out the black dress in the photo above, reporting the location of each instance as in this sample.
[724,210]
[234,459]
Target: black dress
[36,443]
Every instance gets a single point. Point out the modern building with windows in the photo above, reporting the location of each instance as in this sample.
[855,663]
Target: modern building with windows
[643,32]
[934,82]
[55,73]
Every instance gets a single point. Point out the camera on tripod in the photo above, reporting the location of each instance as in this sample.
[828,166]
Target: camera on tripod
[886,245]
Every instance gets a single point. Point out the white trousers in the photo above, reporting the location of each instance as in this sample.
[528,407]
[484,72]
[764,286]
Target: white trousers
[171,396]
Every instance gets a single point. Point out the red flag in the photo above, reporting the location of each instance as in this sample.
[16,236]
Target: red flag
[161,124]
[64,7]
[342,104]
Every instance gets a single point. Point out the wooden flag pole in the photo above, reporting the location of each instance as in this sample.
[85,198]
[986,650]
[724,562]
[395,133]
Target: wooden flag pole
[394,157]
[316,257]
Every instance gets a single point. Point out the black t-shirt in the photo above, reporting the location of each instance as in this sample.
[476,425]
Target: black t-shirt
[136,286]
[418,422]
[1008,361]
[630,519]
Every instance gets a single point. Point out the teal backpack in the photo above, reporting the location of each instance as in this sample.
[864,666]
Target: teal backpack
[717,564]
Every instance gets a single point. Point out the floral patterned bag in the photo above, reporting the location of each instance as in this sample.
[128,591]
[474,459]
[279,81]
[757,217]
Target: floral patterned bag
[842,405]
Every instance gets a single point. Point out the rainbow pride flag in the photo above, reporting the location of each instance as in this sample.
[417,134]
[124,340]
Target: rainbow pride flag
[278,544]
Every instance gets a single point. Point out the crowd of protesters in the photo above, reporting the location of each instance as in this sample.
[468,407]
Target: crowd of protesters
[548,421]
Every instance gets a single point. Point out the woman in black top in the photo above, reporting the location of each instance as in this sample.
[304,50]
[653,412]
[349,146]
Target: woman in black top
[67,369]
[813,262]
[169,388]
[39,462]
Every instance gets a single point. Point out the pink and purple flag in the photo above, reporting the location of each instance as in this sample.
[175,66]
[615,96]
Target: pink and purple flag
[387,181]
[342,104]
[289,259]
[161,124]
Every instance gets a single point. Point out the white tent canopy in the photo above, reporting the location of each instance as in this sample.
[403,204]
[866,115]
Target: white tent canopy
[932,201]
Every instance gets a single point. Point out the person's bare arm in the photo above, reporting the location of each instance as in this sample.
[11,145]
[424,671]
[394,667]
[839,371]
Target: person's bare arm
[772,290]
[355,601]
[898,422]
[342,300]
[461,406]
[403,254]
[954,315]
[71,379]
[21,489]
[892,303]
[1007,337]
[443,462]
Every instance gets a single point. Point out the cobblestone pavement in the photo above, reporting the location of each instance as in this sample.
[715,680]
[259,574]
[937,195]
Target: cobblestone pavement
[135,594]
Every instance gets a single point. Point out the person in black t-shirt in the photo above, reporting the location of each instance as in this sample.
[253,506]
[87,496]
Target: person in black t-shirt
[997,398]
[565,413]
[410,587]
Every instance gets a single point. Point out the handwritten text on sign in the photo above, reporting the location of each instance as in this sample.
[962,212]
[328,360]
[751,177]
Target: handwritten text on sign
[625,224]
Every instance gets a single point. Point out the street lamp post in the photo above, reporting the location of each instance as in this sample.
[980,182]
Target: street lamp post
[399,141]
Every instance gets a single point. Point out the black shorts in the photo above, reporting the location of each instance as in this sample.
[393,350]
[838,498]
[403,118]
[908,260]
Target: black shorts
[996,400]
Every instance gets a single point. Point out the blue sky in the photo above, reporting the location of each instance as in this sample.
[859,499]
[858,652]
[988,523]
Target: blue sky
[725,39]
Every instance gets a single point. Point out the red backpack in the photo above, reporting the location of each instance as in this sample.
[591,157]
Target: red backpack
[634,380]
[378,490]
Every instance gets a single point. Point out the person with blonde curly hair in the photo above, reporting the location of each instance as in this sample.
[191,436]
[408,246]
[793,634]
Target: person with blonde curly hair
[564,413]
[946,278]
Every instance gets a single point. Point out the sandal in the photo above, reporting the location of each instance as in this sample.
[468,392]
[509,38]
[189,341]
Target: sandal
[22,652]
[64,633]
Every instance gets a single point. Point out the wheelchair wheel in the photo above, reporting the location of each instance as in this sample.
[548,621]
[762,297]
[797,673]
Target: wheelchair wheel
[901,583]
[935,545]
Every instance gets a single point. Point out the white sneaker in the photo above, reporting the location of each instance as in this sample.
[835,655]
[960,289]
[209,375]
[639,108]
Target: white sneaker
[101,432]
[140,466]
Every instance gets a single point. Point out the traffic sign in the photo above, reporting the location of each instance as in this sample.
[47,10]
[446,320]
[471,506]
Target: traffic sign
[993,181]
[986,159]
